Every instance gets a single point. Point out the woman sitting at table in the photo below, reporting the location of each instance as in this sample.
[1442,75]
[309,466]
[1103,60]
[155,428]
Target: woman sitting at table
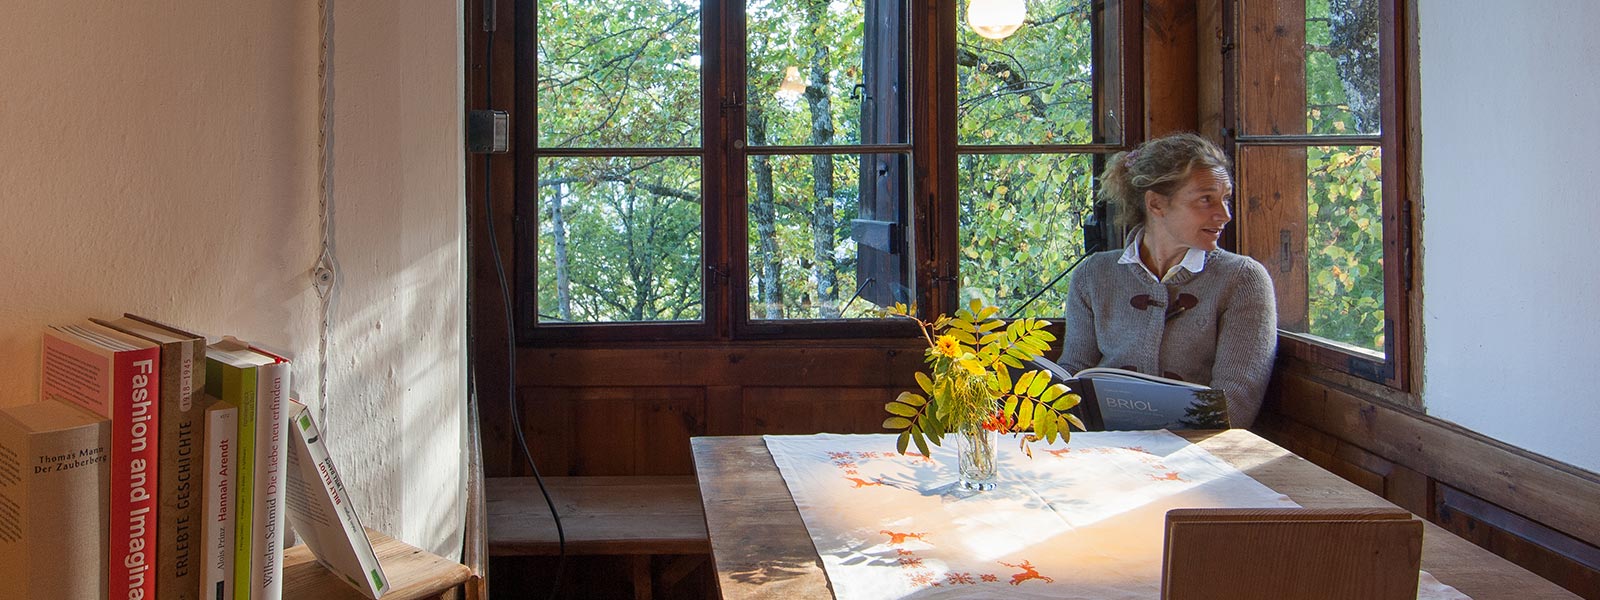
[1171,303]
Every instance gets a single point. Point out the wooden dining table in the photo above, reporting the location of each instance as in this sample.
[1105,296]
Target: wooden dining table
[762,550]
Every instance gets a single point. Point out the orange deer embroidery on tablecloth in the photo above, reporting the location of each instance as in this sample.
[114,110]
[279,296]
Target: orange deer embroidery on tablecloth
[896,539]
[1059,453]
[1168,476]
[857,482]
[1028,572]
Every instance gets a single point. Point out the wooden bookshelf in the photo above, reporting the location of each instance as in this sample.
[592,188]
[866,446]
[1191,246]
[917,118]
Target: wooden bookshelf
[414,573]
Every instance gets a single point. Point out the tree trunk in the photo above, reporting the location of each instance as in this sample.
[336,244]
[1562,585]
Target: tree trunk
[769,273]
[823,221]
[1354,26]
[558,230]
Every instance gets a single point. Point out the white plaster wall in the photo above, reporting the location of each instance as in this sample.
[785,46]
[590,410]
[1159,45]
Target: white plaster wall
[162,158]
[1510,142]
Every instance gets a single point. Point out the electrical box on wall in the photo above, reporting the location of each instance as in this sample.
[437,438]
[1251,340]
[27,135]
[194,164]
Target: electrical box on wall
[488,132]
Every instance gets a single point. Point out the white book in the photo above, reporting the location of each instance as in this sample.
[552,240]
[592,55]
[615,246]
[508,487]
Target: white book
[222,427]
[321,512]
[272,448]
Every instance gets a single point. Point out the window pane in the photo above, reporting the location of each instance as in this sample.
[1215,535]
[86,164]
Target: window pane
[812,247]
[825,72]
[1034,87]
[1328,277]
[619,239]
[1021,226]
[1311,68]
[619,73]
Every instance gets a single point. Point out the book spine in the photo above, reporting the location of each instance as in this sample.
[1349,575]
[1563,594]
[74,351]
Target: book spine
[222,428]
[135,443]
[266,577]
[239,386]
[373,581]
[53,488]
[178,577]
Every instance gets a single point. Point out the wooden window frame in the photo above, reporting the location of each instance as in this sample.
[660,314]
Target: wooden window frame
[933,149]
[1395,369]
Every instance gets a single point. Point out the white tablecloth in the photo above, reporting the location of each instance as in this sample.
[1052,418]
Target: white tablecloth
[1083,520]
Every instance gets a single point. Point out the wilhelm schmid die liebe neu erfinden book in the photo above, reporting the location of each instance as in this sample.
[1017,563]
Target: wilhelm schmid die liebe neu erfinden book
[116,376]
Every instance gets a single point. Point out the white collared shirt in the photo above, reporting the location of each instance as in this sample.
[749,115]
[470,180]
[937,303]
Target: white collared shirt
[1194,260]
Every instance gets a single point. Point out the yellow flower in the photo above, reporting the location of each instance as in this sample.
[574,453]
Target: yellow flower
[947,346]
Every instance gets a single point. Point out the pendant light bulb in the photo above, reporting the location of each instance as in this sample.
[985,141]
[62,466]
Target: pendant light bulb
[996,19]
[792,86]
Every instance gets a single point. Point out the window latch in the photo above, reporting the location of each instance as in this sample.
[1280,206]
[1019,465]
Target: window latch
[727,104]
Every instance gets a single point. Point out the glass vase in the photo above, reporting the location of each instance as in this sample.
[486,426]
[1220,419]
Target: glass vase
[975,457]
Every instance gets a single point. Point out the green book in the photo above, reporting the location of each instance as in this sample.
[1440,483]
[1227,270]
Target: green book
[231,370]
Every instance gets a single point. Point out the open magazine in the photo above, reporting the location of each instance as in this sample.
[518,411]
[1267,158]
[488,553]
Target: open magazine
[1122,400]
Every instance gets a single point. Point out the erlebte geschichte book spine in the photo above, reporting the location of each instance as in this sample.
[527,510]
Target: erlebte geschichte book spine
[116,375]
[222,495]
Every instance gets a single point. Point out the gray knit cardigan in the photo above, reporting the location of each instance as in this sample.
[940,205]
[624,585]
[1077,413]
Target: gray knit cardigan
[1222,331]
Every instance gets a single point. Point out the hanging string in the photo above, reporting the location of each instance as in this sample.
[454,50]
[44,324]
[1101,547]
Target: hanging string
[326,273]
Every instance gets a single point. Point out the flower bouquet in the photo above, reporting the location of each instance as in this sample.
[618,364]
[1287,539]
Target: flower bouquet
[969,390]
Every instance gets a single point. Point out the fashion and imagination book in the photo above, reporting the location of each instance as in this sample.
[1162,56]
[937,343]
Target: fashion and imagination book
[1122,400]
[116,376]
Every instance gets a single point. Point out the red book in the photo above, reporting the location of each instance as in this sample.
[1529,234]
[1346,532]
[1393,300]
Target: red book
[117,376]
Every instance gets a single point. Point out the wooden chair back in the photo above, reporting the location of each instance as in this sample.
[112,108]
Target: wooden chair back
[1301,553]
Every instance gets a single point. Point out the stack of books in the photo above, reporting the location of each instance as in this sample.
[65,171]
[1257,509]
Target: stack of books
[156,465]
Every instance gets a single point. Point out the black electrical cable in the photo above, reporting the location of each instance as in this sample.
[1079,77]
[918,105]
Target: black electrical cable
[511,343]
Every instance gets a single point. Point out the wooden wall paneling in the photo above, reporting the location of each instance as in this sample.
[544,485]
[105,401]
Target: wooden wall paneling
[547,426]
[1362,468]
[1272,180]
[1272,224]
[486,311]
[1567,561]
[1171,71]
[1411,490]
[1272,76]
[665,420]
[724,410]
[1549,492]
[797,364]
[815,410]
[1208,66]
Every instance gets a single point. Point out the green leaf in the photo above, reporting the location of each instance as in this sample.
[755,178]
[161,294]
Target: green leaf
[1026,380]
[1041,413]
[910,398]
[924,382]
[896,423]
[903,410]
[1024,414]
[1075,422]
[922,444]
[1002,375]
[1039,384]
[1011,361]
[990,338]
[962,324]
[901,441]
[991,325]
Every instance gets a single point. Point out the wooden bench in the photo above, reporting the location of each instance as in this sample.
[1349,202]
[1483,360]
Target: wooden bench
[632,516]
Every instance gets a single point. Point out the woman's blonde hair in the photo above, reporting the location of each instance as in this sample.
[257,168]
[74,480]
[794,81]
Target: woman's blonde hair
[1161,165]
